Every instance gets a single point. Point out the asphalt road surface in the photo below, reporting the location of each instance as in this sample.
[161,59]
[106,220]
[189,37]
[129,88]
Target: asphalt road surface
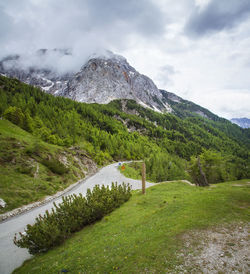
[12,256]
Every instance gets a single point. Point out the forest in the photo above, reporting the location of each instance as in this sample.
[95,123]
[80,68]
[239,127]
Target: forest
[124,130]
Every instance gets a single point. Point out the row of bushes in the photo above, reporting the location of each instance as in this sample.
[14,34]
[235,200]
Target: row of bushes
[70,216]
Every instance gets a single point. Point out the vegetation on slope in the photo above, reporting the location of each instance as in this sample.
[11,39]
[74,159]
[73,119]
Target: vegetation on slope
[31,169]
[132,170]
[121,130]
[144,234]
[222,146]
[186,109]
[126,130]
[158,169]
[217,168]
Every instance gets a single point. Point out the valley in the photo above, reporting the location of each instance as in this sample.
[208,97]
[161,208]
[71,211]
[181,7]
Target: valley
[48,143]
[124,136]
[51,142]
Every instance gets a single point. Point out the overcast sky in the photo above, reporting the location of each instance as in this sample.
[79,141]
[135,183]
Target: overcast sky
[198,49]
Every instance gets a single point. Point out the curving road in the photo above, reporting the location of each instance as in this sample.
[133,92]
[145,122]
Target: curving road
[12,256]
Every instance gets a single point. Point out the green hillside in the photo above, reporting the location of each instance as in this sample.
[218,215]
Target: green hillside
[186,109]
[31,169]
[146,234]
[48,126]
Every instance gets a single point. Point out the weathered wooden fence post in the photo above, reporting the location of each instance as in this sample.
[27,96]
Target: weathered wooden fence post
[143,177]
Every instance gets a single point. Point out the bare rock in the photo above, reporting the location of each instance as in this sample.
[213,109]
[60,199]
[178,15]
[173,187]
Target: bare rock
[101,80]
[2,203]
[105,78]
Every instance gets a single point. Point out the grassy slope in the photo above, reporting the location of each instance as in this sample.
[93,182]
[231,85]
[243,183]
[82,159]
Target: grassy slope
[132,170]
[143,235]
[19,158]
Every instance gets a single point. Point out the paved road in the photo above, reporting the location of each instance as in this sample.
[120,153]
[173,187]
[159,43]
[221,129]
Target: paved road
[12,256]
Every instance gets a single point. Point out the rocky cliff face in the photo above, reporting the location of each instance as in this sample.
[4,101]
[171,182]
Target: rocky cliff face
[101,80]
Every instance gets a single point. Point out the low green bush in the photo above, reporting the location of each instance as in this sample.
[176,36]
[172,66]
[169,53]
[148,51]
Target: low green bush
[36,148]
[28,170]
[55,166]
[70,216]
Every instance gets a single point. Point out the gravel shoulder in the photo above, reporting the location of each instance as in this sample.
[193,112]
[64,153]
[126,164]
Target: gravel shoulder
[223,249]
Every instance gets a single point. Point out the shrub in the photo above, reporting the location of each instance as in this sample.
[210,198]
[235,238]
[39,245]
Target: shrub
[38,148]
[55,166]
[70,216]
[14,115]
[25,169]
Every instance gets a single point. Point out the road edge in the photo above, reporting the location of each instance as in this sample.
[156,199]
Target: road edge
[18,211]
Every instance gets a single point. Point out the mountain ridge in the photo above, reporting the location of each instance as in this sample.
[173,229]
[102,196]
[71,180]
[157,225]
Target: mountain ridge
[242,122]
[103,78]
[120,130]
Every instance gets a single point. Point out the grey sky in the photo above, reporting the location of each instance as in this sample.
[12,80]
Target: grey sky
[217,16]
[198,49]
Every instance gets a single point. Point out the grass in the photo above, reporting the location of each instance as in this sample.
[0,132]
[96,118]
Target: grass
[144,234]
[132,170]
[31,169]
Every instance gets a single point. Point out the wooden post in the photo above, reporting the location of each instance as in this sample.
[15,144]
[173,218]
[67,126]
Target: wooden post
[143,177]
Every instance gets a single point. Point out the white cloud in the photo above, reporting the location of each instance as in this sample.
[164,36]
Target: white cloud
[207,63]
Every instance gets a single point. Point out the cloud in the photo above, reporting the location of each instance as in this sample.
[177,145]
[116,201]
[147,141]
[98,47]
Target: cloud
[217,16]
[141,17]
[198,49]
[51,23]
[83,26]
[234,104]
[5,23]
[165,75]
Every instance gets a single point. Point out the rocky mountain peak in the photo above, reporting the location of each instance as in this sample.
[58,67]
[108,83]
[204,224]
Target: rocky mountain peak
[103,78]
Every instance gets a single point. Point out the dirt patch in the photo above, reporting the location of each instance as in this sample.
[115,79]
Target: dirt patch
[217,250]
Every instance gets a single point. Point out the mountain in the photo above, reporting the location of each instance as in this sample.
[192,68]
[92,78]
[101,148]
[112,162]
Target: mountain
[184,108]
[242,122]
[36,71]
[105,78]
[59,136]
[101,80]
